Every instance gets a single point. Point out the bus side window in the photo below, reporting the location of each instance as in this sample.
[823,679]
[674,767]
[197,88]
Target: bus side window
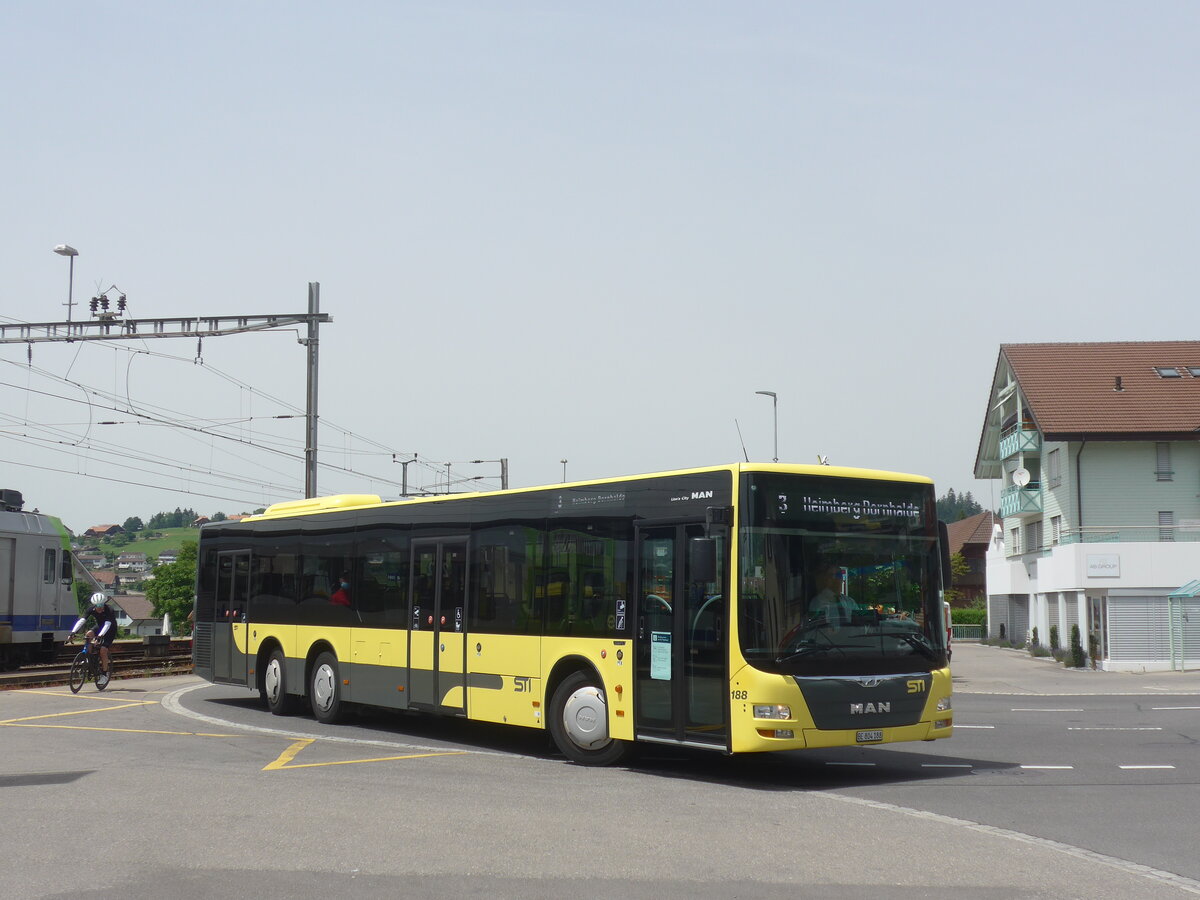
[498,574]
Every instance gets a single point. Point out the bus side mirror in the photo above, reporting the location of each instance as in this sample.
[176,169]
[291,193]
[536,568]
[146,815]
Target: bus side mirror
[702,559]
[944,548]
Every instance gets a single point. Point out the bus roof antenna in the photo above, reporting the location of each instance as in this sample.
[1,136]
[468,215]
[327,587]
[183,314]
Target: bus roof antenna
[743,443]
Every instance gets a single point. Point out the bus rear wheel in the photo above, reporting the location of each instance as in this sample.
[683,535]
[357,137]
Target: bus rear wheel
[325,689]
[579,723]
[274,689]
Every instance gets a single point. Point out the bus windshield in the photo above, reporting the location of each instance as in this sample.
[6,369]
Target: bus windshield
[839,576]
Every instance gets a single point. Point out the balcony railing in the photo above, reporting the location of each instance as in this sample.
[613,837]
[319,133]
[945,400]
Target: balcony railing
[1015,501]
[1102,534]
[1020,440]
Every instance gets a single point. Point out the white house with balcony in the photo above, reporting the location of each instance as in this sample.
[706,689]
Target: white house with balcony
[1097,446]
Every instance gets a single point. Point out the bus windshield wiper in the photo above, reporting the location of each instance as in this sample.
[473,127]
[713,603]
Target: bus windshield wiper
[804,651]
[918,643]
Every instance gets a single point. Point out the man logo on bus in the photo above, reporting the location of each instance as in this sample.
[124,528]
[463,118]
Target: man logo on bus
[860,709]
[702,495]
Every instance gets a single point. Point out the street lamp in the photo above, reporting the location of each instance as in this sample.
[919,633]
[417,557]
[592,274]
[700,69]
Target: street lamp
[564,462]
[775,413]
[68,250]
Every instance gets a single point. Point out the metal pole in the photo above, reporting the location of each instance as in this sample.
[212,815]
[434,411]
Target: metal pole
[504,474]
[775,416]
[404,477]
[310,444]
[70,288]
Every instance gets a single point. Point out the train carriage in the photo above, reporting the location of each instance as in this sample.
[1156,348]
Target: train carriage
[37,602]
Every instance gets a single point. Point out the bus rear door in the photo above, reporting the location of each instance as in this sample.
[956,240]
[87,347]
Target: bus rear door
[437,608]
[231,614]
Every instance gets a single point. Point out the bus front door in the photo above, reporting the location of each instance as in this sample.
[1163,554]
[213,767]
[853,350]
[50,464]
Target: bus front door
[230,616]
[681,639]
[437,609]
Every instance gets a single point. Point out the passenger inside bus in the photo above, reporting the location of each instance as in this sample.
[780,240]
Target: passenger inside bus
[341,596]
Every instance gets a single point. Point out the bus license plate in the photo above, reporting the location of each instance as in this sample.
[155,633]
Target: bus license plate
[866,737]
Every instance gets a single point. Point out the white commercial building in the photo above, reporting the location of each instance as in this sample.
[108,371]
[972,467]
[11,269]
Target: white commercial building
[1098,449]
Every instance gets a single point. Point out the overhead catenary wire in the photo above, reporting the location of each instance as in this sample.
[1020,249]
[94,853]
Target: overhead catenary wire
[222,429]
[172,488]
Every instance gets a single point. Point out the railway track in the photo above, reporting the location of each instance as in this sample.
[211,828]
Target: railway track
[129,660]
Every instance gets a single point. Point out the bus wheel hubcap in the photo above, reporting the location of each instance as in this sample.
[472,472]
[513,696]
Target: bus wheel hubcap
[585,716]
[271,680]
[323,687]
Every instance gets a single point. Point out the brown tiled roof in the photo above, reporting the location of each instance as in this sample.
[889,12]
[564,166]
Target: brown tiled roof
[136,606]
[976,529]
[1072,389]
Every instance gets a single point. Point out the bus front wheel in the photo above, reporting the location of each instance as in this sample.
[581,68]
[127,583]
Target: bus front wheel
[579,723]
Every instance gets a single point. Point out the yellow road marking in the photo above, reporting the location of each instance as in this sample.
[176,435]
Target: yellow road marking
[19,724]
[93,696]
[79,712]
[34,721]
[284,761]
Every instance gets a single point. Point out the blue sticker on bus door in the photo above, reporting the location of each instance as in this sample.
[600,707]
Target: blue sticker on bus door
[660,655]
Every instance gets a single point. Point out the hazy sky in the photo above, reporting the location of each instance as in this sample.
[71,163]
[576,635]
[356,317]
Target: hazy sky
[590,232]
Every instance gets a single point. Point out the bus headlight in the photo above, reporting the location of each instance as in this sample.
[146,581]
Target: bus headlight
[772,712]
[944,704]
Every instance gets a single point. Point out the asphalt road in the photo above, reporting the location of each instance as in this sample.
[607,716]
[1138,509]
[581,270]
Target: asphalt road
[1056,784]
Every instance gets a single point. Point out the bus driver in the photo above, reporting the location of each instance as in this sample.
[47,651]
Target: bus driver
[830,602]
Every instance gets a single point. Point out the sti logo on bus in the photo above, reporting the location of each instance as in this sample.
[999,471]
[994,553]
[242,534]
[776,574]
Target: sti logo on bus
[521,684]
[859,709]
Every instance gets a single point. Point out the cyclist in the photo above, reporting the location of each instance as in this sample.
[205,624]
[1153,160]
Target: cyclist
[105,630]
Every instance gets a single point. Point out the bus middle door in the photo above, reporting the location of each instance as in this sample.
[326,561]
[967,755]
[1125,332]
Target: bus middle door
[437,640]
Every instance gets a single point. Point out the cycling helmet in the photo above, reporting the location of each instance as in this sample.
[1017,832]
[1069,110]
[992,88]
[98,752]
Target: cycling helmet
[97,600]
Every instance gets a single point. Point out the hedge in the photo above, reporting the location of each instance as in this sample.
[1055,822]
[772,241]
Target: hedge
[968,616]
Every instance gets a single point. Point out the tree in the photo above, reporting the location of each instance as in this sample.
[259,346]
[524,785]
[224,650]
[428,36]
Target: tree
[217,517]
[173,589]
[178,519]
[83,591]
[133,523]
[951,506]
[959,569]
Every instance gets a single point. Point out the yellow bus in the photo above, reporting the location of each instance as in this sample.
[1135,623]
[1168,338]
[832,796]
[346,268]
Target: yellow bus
[739,608]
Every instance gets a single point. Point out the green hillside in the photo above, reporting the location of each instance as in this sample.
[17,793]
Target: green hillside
[165,539]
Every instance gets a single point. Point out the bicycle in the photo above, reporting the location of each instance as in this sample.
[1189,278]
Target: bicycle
[86,667]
